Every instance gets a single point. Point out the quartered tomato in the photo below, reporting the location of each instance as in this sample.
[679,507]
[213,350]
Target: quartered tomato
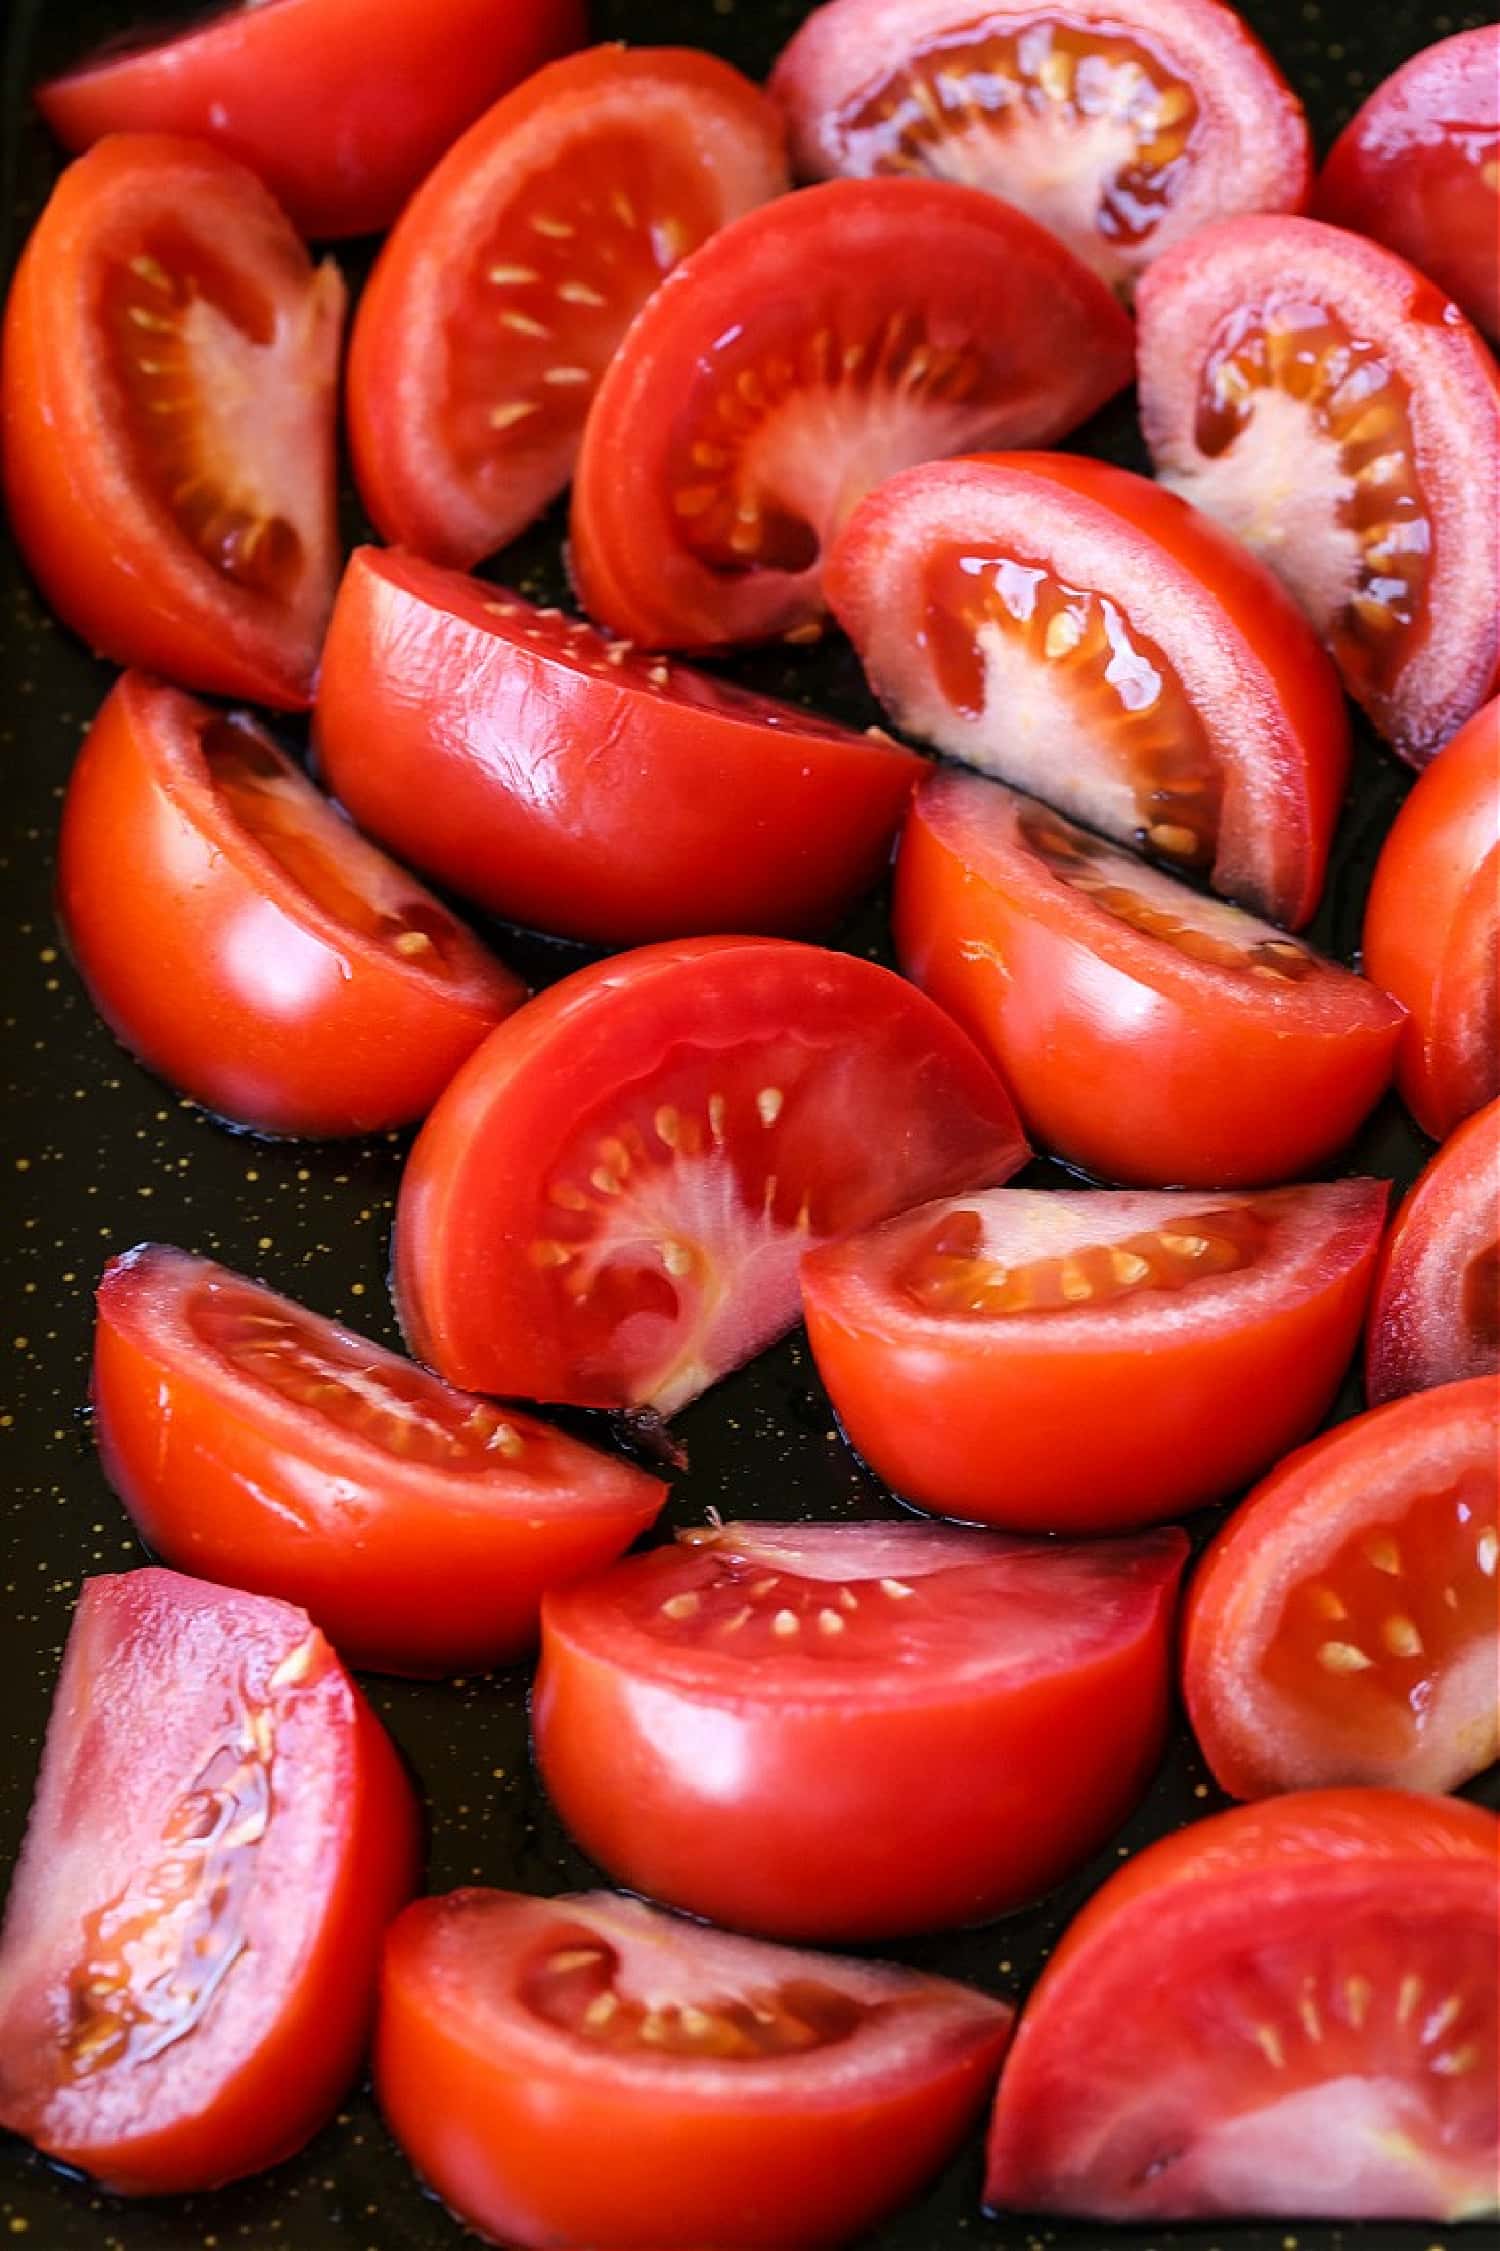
[1120,124]
[259,1445]
[583,2071]
[240,938]
[1149,1034]
[341,106]
[1432,929]
[1085,1361]
[169,402]
[1083,635]
[220,1835]
[798,360]
[1344,1625]
[609,1204]
[516,269]
[1436,1312]
[1288,2009]
[1419,165]
[565,781]
[1336,412]
[852,1731]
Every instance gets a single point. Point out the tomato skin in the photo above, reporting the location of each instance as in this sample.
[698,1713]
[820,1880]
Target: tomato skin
[225,977]
[565,801]
[1027,1425]
[1432,929]
[341,106]
[108,556]
[1429,1321]
[116,1707]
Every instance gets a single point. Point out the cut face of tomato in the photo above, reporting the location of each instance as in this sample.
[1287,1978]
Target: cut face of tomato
[1150,1034]
[220,1835]
[516,269]
[1338,414]
[609,1205]
[1121,125]
[1081,634]
[1436,1315]
[244,941]
[566,781]
[723,2091]
[1059,1361]
[263,1447]
[1289,2009]
[170,373]
[798,360]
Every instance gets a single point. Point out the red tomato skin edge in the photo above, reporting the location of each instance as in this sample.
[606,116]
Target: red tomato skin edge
[1395,1361]
[655,821]
[1051,1439]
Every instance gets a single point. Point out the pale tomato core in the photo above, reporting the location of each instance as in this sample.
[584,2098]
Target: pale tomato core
[1481,1299]
[577,1985]
[950,1271]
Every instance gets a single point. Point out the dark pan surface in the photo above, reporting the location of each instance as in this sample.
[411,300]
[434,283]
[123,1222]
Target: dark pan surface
[96,1155]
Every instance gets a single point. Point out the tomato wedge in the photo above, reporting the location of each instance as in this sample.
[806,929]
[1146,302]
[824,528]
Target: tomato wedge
[1149,1034]
[798,360]
[220,1835]
[517,267]
[852,1731]
[245,942]
[1288,2009]
[584,2070]
[169,400]
[1432,929]
[1119,124]
[263,1447]
[1060,1361]
[1336,412]
[1343,1627]
[609,1204]
[565,781]
[1081,634]
[1416,169]
[1436,1315]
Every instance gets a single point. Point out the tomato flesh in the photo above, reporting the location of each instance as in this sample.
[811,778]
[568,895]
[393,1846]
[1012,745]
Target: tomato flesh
[1436,1314]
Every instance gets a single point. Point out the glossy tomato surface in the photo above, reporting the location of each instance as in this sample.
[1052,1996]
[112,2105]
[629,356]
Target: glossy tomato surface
[221,1833]
[565,781]
[795,362]
[168,395]
[1059,1361]
[245,941]
[609,1204]
[1289,2010]
[261,1446]
[1436,1311]
[1149,1034]
[340,106]
[1082,634]
[586,2072]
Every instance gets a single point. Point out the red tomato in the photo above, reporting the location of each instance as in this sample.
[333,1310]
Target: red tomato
[260,1446]
[1343,1626]
[1120,124]
[1150,1034]
[609,1204]
[245,942]
[1417,168]
[852,1731]
[796,361]
[585,2072]
[517,267]
[1339,415]
[1436,1312]
[169,401]
[1082,1362]
[1288,2009]
[220,1835]
[564,781]
[1432,929]
[341,106]
[1081,634]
